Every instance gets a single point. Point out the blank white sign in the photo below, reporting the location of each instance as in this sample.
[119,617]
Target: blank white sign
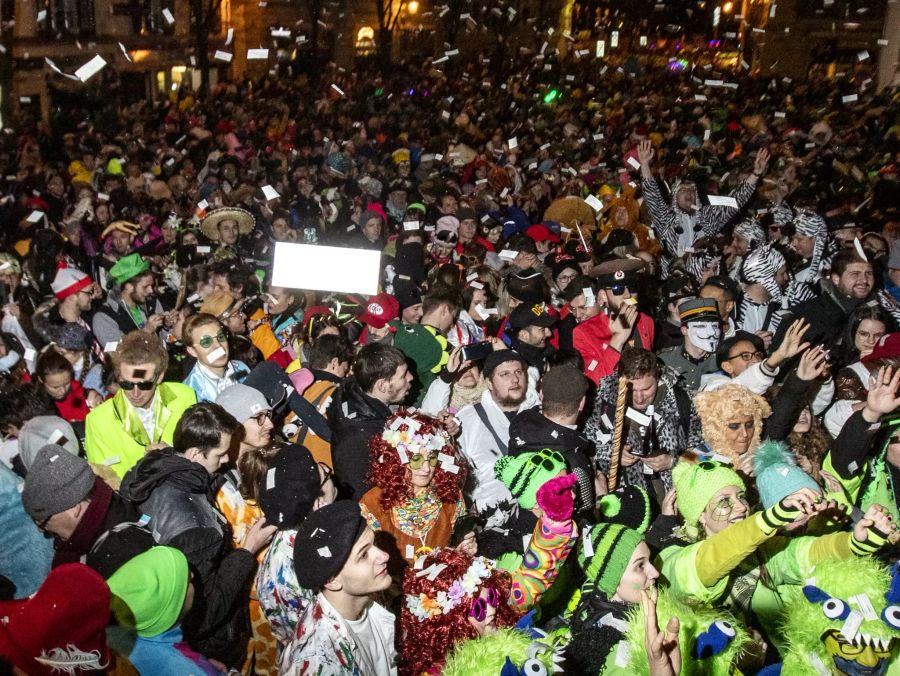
[326,268]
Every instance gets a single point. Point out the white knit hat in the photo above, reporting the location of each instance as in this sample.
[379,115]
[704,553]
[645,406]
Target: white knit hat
[69,281]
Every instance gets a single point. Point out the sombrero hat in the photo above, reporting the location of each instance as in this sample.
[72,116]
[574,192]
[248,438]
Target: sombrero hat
[123,226]
[570,210]
[209,226]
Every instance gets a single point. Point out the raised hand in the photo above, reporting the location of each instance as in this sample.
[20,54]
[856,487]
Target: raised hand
[761,163]
[882,398]
[792,345]
[813,363]
[663,652]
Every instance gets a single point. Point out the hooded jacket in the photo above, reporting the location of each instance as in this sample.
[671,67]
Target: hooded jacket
[354,417]
[177,495]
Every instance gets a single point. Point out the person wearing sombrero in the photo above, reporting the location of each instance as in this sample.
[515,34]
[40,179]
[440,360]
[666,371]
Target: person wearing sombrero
[118,238]
[130,303]
[601,338]
[226,225]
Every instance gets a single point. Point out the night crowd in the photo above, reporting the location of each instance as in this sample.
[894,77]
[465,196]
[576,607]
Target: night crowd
[625,401]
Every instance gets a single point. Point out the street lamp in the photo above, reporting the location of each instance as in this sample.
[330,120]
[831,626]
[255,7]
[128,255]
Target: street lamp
[413,7]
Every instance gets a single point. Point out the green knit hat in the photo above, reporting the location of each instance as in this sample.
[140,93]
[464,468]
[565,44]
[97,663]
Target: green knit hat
[128,267]
[629,506]
[697,482]
[150,590]
[524,474]
[604,561]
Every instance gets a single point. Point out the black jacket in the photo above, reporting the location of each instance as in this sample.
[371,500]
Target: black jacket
[827,315]
[177,496]
[354,417]
[531,431]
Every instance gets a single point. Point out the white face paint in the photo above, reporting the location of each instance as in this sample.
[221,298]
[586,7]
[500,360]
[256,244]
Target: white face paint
[705,335]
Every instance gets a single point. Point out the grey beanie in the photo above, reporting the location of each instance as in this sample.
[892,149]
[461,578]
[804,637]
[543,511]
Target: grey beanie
[56,482]
[42,430]
[243,402]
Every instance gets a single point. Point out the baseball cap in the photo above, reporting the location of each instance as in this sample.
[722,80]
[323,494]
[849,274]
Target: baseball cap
[380,310]
[531,315]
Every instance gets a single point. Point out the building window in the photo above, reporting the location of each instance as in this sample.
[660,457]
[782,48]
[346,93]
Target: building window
[365,41]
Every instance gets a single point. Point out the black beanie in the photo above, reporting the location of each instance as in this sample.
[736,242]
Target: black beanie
[289,487]
[324,542]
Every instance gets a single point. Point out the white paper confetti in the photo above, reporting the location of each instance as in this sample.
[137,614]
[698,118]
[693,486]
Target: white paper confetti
[270,193]
[167,14]
[223,56]
[324,552]
[257,54]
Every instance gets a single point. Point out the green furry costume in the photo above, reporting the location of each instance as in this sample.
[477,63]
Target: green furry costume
[487,655]
[825,611]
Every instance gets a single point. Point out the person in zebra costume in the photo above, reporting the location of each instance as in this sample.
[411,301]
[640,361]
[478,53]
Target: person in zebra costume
[812,243]
[748,235]
[763,277]
[679,224]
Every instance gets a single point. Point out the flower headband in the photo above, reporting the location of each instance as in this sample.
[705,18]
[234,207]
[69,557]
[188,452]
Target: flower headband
[409,441]
[425,607]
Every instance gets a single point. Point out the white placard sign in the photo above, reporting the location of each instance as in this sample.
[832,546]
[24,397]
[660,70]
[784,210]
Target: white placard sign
[326,268]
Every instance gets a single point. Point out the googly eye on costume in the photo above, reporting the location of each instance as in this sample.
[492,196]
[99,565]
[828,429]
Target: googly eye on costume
[891,616]
[835,609]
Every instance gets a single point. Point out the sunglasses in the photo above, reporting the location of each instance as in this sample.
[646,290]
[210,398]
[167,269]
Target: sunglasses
[417,460]
[542,460]
[619,289]
[747,356]
[206,341]
[447,237]
[478,611]
[142,385]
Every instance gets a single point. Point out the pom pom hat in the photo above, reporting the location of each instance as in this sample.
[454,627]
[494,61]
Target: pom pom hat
[605,559]
[777,474]
[524,474]
[697,482]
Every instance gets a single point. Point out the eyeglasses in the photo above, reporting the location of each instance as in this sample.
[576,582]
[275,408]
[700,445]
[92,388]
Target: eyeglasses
[565,279]
[747,356]
[546,459]
[206,341]
[724,506]
[478,611]
[619,289]
[261,418]
[142,385]
[417,460]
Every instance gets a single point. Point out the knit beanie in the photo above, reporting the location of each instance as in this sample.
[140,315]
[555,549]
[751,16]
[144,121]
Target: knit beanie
[42,430]
[150,590]
[604,552]
[56,481]
[697,482]
[524,474]
[629,506]
[777,474]
[69,281]
[289,487]
[65,619]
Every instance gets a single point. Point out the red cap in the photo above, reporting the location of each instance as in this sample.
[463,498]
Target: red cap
[57,631]
[541,233]
[887,347]
[380,310]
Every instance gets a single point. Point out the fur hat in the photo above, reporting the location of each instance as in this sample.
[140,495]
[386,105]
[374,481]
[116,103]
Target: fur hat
[760,266]
[717,407]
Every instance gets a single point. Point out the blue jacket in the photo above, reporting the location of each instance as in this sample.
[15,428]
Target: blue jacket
[25,554]
[168,655]
[208,387]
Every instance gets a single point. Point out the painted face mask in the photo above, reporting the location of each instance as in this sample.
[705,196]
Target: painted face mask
[705,335]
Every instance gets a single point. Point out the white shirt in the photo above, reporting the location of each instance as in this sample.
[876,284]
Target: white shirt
[148,417]
[374,644]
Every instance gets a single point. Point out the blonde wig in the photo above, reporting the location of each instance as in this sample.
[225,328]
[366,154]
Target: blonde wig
[721,406]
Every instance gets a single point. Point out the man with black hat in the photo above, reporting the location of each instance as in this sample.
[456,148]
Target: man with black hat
[409,296]
[530,331]
[343,631]
[485,425]
[601,338]
[702,331]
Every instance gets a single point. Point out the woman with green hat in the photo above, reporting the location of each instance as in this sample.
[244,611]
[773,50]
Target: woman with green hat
[735,557]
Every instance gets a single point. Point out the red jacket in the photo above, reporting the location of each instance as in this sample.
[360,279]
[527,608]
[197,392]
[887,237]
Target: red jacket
[74,407]
[591,338]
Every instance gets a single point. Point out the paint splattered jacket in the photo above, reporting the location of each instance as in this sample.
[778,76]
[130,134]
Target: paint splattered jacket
[323,646]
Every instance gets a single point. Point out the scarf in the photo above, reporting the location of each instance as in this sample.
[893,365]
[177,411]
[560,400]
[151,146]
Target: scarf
[82,540]
[464,396]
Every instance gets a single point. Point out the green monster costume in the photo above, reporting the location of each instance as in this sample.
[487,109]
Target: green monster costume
[846,620]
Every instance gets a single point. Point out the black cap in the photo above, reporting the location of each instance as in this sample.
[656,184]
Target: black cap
[531,315]
[289,487]
[406,292]
[324,542]
[497,357]
[617,271]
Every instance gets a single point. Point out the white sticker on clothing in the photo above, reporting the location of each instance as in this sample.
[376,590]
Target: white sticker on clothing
[204,249]
[641,419]
[30,354]
[112,460]
[851,625]
[607,423]
[865,606]
[324,552]
[593,365]
[594,203]
[410,225]
[270,193]
[587,544]
[633,162]
[56,436]
[722,201]
[411,552]
[270,479]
